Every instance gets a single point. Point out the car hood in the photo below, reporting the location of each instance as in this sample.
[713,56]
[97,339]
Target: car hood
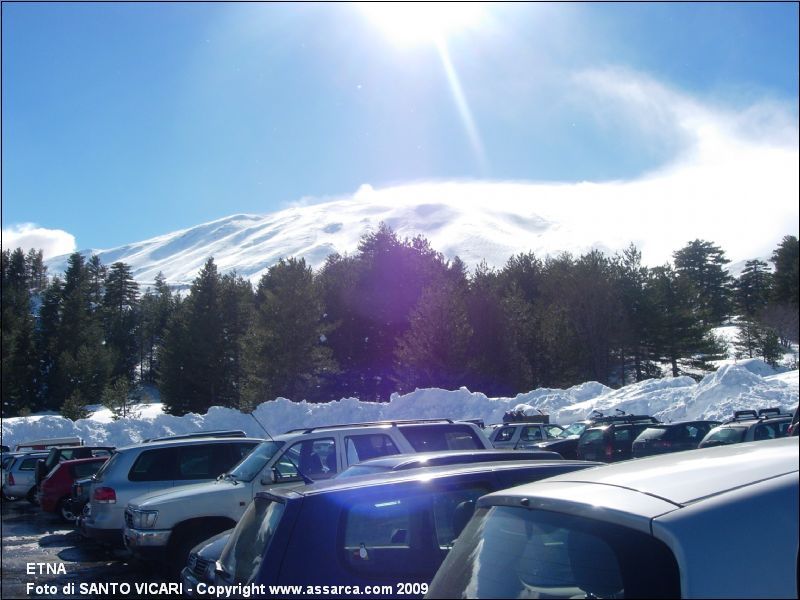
[185,493]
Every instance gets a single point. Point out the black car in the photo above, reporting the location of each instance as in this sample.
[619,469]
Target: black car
[566,443]
[610,442]
[336,537]
[671,437]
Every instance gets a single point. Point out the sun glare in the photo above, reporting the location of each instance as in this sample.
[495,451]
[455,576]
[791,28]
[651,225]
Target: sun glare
[408,23]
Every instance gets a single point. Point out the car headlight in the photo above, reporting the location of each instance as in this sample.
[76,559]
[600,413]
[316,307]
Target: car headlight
[144,519]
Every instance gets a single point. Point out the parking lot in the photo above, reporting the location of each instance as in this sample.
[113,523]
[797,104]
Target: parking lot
[39,548]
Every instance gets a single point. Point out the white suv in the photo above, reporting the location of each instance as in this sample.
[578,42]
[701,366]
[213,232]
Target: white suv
[166,525]
[714,523]
[135,470]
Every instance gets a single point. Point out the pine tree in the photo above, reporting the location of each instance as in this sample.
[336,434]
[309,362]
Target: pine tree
[769,347]
[786,258]
[703,265]
[434,350]
[116,397]
[746,342]
[155,309]
[677,330]
[74,407]
[753,288]
[287,351]
[120,320]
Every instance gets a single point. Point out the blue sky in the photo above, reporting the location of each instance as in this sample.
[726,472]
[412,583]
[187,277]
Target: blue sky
[126,121]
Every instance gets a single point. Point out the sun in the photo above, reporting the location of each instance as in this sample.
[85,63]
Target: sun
[410,23]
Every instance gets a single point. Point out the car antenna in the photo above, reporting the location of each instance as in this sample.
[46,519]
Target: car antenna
[306,479]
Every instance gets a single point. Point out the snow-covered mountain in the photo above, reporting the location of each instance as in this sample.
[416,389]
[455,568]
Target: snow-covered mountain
[475,221]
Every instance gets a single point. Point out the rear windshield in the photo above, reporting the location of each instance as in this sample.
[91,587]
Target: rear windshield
[726,435]
[429,438]
[511,552]
[653,433]
[106,465]
[242,555]
[573,430]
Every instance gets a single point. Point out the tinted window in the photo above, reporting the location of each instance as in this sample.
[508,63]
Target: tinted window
[504,434]
[727,435]
[28,464]
[429,438]
[592,435]
[364,447]
[154,465]
[509,552]
[378,536]
[530,434]
[452,510]
[653,433]
[250,540]
[85,469]
[197,462]
[622,434]
[315,458]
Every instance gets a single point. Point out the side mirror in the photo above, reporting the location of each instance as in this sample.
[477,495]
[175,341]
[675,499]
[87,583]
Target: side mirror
[274,477]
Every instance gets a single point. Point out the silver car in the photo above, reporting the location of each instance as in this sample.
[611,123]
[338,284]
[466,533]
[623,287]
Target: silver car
[710,523]
[19,477]
[150,467]
[524,435]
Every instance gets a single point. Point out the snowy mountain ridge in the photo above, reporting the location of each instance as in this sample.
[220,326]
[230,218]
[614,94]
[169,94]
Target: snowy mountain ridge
[456,218]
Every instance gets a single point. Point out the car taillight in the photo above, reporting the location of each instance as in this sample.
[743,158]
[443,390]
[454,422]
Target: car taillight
[10,479]
[105,495]
[662,444]
[609,450]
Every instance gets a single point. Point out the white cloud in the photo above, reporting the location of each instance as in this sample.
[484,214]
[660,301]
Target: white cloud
[52,242]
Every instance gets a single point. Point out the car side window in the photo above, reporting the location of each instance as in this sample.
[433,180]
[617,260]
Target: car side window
[530,434]
[430,438]
[315,458]
[764,432]
[28,464]
[622,434]
[505,434]
[691,432]
[197,461]
[378,536]
[364,447]
[154,465]
[452,510]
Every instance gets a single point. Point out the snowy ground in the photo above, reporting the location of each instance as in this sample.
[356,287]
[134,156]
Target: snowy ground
[746,384]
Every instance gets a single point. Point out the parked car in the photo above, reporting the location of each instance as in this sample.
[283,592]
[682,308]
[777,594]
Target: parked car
[169,523]
[58,454]
[141,468]
[202,563]
[566,444]
[393,529]
[20,477]
[610,442]
[671,437]
[749,426]
[79,498]
[5,464]
[54,490]
[402,462]
[794,427]
[671,526]
[524,435]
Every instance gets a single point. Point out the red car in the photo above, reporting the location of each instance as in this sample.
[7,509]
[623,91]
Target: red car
[54,491]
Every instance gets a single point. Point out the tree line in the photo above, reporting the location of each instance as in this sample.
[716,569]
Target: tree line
[393,316]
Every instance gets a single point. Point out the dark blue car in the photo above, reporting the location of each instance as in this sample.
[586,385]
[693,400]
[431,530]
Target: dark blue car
[340,537]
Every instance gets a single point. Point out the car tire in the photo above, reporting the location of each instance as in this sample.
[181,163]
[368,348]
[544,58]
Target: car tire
[31,496]
[8,498]
[65,510]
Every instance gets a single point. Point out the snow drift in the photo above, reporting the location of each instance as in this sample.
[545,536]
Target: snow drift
[716,396]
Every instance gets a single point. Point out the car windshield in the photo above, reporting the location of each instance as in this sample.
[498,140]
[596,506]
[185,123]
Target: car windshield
[242,555]
[254,462]
[572,431]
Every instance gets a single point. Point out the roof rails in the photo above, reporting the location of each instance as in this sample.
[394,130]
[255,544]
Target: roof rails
[517,416]
[599,418]
[394,423]
[751,415]
[223,433]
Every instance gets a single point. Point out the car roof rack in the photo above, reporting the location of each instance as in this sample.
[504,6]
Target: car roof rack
[393,423]
[599,418]
[768,413]
[743,415]
[222,433]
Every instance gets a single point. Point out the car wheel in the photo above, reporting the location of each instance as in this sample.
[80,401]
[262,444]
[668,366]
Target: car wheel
[8,498]
[31,496]
[65,510]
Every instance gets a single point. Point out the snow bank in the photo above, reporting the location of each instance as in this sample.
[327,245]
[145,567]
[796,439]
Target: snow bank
[732,387]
